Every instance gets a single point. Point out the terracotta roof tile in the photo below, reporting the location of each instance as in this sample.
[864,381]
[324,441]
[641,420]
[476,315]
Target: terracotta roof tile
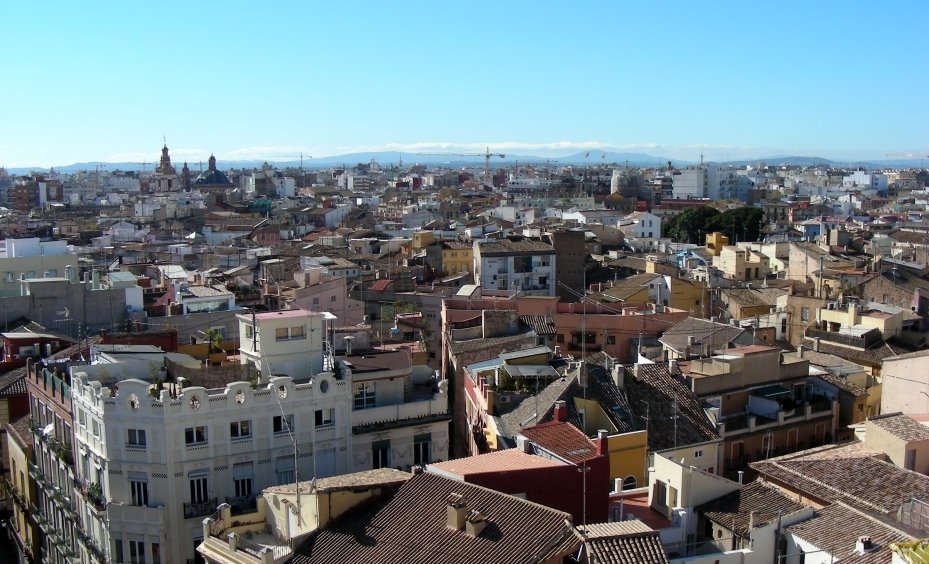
[901,426]
[562,439]
[837,527]
[624,542]
[409,526]
[499,461]
[733,510]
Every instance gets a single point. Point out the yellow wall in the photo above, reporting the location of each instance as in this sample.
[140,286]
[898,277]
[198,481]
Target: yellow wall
[422,239]
[458,260]
[715,242]
[687,296]
[594,417]
[628,456]
[536,359]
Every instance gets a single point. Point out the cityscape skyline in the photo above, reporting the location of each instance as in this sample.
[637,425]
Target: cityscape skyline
[729,81]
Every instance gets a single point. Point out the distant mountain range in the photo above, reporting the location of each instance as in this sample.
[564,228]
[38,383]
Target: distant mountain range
[585,158]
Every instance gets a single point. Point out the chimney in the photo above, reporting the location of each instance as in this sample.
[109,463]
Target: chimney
[523,444]
[619,376]
[348,345]
[637,370]
[561,411]
[816,344]
[672,367]
[457,509]
[799,351]
[475,521]
[751,521]
[602,443]
[864,545]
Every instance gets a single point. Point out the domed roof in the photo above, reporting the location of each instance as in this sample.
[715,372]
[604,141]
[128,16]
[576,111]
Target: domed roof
[212,177]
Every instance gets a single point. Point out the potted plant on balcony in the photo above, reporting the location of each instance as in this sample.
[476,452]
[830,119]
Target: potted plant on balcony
[216,353]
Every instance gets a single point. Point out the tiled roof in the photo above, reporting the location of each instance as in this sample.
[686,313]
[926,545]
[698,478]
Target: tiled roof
[654,394]
[872,357]
[534,408]
[836,529]
[864,482]
[733,511]
[541,324]
[842,383]
[366,478]
[511,246]
[601,389]
[718,335]
[624,542]
[499,461]
[207,291]
[13,383]
[621,290]
[754,297]
[21,432]
[563,439]
[478,344]
[901,426]
[410,526]
[381,285]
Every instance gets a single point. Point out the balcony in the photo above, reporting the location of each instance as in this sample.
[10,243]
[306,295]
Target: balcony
[243,504]
[201,508]
[388,414]
[92,492]
[91,545]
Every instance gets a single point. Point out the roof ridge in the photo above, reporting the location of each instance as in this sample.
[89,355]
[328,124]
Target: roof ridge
[828,487]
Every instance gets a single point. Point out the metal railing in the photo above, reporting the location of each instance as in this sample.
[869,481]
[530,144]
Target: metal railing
[243,504]
[201,508]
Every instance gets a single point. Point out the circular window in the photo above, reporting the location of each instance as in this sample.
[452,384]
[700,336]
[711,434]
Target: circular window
[240,397]
[195,402]
[324,386]
[282,391]
[133,401]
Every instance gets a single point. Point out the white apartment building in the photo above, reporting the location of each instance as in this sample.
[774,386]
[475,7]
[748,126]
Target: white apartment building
[283,342]
[865,181]
[151,465]
[690,182]
[516,264]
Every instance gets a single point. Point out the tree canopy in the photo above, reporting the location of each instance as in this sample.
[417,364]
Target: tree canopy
[690,226]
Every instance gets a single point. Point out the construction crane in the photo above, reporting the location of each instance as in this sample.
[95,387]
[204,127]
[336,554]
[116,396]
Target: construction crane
[486,154]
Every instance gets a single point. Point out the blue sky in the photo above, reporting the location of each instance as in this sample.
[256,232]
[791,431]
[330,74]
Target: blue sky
[105,80]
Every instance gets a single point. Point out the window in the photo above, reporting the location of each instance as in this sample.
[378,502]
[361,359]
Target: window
[325,417]
[422,449]
[380,454]
[284,467]
[118,549]
[804,314]
[136,552]
[629,483]
[136,438]
[96,427]
[7,277]
[195,436]
[611,339]
[249,331]
[364,395]
[198,489]
[240,429]
[243,474]
[138,489]
[282,424]
[698,453]
[156,553]
[288,333]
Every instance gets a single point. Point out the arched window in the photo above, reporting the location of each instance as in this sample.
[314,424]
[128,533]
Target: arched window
[629,483]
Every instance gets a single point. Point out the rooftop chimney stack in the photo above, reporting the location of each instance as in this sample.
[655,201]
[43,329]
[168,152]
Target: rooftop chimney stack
[799,351]
[475,521]
[603,442]
[619,375]
[561,411]
[457,510]
[864,545]
[816,344]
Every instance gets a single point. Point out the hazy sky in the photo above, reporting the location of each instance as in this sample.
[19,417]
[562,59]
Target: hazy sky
[105,80]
